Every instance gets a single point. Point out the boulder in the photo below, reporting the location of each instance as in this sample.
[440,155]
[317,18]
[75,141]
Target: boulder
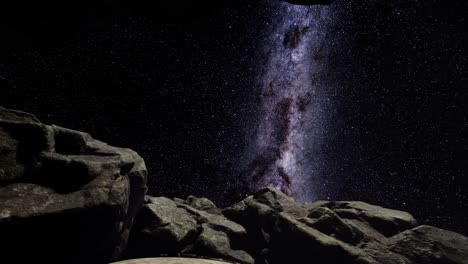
[68,198]
[194,227]
[282,231]
[278,232]
[170,261]
[64,196]
[329,223]
[427,244]
[164,227]
[386,221]
[201,204]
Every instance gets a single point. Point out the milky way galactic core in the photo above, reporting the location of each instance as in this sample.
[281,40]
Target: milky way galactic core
[285,152]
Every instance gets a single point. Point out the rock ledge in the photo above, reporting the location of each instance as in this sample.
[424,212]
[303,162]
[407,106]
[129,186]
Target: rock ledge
[64,196]
[269,227]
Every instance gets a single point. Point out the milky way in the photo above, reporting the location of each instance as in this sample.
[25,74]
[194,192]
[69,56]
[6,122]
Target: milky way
[291,119]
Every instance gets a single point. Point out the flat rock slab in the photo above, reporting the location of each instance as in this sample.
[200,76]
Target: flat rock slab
[170,261]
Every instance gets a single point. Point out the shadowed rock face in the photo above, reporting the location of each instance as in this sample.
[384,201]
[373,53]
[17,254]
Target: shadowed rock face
[64,196]
[270,227]
[281,231]
[427,244]
[192,227]
[170,261]
[67,198]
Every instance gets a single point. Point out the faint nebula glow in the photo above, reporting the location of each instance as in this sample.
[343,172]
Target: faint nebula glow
[290,90]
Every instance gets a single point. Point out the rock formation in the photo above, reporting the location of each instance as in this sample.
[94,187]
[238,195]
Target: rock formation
[269,227]
[191,227]
[64,196]
[170,261]
[68,198]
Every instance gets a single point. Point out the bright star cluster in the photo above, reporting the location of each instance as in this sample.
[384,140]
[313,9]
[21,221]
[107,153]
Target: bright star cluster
[291,93]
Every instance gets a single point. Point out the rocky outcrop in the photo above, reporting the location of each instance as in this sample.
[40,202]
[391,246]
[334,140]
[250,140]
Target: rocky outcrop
[427,244]
[68,198]
[194,227]
[64,196]
[386,221]
[269,227]
[170,261]
[281,231]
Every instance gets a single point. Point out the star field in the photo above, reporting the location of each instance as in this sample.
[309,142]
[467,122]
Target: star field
[186,85]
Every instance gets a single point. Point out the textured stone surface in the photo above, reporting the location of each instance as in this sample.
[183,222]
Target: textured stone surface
[170,261]
[278,232]
[67,198]
[427,244]
[282,231]
[386,221]
[191,227]
[64,196]
[201,204]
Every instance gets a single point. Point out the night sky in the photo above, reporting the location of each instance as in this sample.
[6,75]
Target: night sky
[359,100]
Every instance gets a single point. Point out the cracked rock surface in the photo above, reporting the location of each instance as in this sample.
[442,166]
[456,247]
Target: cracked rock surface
[282,231]
[68,198]
[271,228]
[64,196]
[192,228]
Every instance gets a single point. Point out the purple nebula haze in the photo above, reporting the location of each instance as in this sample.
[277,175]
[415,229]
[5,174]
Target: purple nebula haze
[288,133]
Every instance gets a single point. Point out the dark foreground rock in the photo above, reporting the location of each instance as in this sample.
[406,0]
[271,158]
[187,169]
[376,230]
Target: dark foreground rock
[427,244]
[170,261]
[191,227]
[67,198]
[64,197]
[281,231]
[269,227]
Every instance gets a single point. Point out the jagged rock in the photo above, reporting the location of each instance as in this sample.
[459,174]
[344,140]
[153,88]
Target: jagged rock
[170,261]
[190,227]
[266,201]
[165,226]
[278,234]
[386,221]
[68,198]
[202,204]
[427,244]
[216,243]
[64,196]
[329,223]
[281,231]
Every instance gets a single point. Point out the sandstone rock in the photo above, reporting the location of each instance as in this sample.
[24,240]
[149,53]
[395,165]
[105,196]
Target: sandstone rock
[277,234]
[201,204]
[427,244]
[170,261]
[269,227]
[329,223]
[164,227]
[174,227]
[267,201]
[281,231]
[64,196]
[216,243]
[68,198]
[386,221]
